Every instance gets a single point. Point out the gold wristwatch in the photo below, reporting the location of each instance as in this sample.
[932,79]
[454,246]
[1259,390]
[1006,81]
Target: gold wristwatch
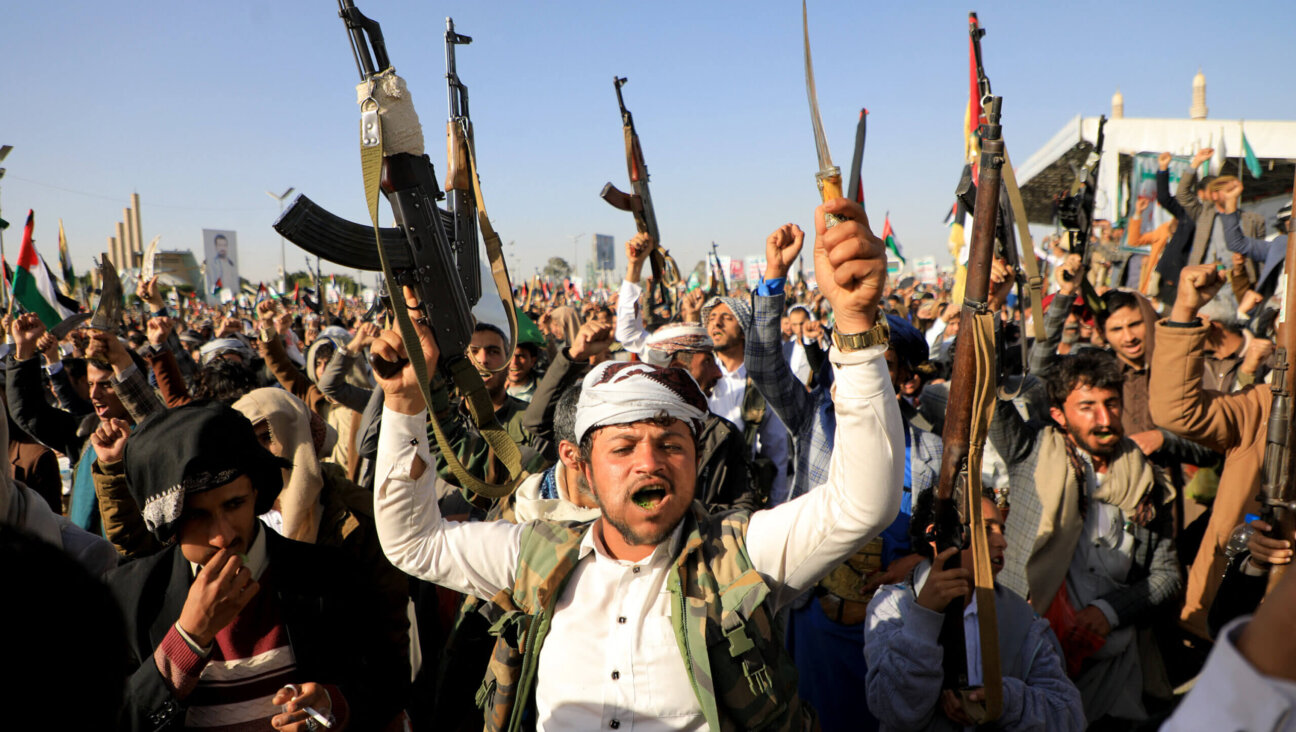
[880,333]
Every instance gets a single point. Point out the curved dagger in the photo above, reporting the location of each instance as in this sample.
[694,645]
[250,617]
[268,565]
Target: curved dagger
[829,176]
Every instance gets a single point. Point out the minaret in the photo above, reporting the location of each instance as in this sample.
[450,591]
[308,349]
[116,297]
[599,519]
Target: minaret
[1118,105]
[1198,109]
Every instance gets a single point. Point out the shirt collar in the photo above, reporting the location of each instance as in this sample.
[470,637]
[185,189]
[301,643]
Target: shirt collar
[661,553]
[256,559]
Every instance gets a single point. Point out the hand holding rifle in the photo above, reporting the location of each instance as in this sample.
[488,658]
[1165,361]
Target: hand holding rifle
[1066,275]
[391,364]
[637,251]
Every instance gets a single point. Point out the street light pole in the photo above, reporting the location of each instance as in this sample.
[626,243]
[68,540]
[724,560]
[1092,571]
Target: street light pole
[283,265]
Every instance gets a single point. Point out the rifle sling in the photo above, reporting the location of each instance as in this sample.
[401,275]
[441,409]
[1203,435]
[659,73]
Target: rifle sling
[1033,279]
[983,400]
[462,372]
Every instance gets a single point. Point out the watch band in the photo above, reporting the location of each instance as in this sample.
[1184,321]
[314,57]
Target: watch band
[879,334]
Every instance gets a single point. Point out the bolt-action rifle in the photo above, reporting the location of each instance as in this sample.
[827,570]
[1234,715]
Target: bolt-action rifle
[957,522]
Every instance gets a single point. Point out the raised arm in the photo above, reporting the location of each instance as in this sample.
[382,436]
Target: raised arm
[1176,399]
[1186,195]
[1237,241]
[476,558]
[797,543]
[333,383]
[51,426]
[629,320]
[771,374]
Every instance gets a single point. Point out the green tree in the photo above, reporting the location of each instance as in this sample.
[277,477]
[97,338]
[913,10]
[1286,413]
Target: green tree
[557,269]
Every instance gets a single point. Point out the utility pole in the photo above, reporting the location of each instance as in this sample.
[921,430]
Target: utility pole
[283,267]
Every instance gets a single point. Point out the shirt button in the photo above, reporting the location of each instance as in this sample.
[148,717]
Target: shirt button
[616,675]
[636,570]
[621,620]
[616,724]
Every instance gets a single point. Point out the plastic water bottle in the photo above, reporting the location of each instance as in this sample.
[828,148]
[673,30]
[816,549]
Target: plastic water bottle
[1237,542]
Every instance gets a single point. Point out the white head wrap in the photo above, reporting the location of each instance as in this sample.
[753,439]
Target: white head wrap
[620,392]
[666,341]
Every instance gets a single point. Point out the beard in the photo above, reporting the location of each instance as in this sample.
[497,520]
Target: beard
[648,534]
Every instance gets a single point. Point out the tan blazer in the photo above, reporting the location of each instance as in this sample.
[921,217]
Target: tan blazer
[1233,424]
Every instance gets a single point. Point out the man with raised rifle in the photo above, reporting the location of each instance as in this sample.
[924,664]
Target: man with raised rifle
[656,614]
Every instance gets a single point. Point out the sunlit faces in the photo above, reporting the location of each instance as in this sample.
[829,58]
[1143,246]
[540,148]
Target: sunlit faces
[643,475]
[103,395]
[221,518]
[1126,331]
[1092,417]
[723,327]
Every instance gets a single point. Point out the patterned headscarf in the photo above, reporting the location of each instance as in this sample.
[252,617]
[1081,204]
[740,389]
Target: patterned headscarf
[668,340]
[740,308]
[620,392]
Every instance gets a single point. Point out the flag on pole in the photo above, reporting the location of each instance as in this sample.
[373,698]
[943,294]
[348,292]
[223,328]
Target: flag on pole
[216,288]
[296,296]
[33,285]
[65,263]
[262,294]
[1248,155]
[889,238]
[973,115]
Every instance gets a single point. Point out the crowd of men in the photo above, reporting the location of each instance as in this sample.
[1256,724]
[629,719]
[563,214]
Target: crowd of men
[725,519]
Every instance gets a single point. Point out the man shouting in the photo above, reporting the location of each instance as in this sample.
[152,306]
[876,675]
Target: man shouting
[656,615]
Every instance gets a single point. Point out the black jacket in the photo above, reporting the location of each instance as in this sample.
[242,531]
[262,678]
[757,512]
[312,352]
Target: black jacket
[334,629]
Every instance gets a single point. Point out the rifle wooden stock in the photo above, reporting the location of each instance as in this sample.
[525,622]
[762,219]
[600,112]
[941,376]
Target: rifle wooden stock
[973,372]
[457,173]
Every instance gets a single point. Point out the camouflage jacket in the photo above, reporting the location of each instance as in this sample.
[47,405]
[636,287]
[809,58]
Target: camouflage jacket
[725,628]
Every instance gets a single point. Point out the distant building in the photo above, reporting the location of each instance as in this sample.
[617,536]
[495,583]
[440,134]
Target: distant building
[604,257]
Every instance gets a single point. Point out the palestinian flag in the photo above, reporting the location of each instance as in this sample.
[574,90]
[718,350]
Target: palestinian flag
[262,294]
[889,238]
[973,115]
[33,286]
[216,288]
[296,296]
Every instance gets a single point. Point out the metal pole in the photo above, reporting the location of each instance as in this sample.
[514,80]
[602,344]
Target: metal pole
[283,265]
[4,153]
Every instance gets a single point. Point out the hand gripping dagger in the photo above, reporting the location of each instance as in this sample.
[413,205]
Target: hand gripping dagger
[829,175]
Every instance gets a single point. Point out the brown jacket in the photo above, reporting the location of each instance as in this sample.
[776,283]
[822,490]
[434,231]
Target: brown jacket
[1233,424]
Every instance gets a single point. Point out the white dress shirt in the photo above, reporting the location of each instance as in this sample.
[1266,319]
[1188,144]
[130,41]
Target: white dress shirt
[610,660]
[771,440]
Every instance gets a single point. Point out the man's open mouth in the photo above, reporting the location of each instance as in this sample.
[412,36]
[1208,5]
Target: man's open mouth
[649,497]
[997,561]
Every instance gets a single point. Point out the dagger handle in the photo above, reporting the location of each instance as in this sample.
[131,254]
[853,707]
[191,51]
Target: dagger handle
[830,187]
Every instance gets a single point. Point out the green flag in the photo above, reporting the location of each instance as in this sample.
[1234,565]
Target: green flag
[527,330]
[1248,154]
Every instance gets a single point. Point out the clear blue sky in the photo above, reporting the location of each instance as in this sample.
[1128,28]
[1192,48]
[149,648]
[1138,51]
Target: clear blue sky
[201,107]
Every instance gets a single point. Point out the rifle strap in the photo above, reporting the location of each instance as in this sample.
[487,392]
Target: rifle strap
[462,372]
[983,401]
[1033,279]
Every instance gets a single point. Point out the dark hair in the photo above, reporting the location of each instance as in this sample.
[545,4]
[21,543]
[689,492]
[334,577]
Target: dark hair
[224,382]
[1114,300]
[75,367]
[662,420]
[529,347]
[1089,367]
[490,328]
[564,419]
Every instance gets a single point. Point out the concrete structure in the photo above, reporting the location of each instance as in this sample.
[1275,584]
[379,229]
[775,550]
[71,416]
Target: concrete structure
[1198,109]
[1049,171]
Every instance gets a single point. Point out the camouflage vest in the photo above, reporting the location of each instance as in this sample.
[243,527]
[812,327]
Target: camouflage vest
[733,653]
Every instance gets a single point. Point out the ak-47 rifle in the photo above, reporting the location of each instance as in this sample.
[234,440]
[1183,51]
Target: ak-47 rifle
[1277,484]
[957,520]
[665,273]
[1075,213]
[717,272]
[423,251]
[458,184]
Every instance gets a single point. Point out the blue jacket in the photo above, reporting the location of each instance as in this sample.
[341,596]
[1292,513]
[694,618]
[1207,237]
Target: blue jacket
[1270,253]
[905,664]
